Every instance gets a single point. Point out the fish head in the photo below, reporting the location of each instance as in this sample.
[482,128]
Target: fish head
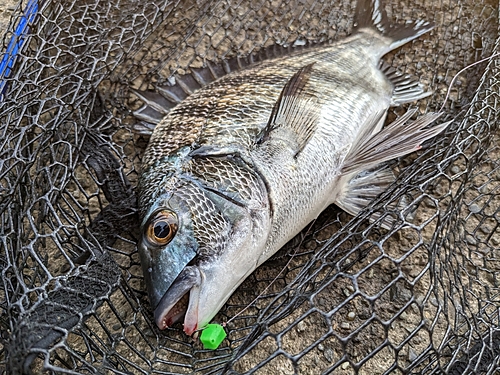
[167,245]
[196,249]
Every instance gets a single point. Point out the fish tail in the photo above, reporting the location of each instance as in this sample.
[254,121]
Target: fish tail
[371,14]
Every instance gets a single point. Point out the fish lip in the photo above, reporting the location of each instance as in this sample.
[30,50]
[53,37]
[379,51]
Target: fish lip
[187,279]
[191,319]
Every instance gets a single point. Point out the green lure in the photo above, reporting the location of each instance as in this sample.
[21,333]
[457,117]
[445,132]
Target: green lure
[212,336]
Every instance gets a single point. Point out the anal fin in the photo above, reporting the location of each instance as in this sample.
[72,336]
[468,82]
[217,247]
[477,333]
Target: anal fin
[407,88]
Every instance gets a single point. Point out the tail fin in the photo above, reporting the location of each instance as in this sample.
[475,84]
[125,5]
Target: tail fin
[371,14]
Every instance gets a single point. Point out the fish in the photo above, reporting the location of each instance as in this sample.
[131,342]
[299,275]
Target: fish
[243,164]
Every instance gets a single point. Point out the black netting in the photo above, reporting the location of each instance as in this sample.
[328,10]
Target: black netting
[348,296]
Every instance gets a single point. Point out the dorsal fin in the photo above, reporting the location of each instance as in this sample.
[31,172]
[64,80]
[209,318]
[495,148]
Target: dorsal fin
[295,114]
[155,106]
[165,96]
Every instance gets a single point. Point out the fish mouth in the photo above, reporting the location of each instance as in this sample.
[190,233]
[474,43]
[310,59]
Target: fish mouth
[180,300]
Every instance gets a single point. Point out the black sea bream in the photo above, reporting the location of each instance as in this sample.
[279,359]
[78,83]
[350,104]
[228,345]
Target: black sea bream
[242,165]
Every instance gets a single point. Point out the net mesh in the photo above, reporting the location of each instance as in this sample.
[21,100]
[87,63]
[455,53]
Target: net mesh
[344,297]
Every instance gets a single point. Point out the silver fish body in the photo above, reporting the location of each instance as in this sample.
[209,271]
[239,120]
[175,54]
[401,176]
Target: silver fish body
[242,165]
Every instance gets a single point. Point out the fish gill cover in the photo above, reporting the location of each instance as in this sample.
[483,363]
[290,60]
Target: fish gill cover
[348,295]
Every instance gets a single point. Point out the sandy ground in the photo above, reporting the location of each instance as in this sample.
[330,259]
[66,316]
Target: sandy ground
[6,9]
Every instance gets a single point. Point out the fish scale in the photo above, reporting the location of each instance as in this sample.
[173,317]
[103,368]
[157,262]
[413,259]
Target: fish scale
[261,153]
[210,227]
[312,188]
[234,179]
[238,109]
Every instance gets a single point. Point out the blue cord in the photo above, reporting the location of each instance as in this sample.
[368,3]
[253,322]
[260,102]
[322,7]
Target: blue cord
[16,43]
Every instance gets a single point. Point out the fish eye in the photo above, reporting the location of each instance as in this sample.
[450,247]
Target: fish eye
[162,228]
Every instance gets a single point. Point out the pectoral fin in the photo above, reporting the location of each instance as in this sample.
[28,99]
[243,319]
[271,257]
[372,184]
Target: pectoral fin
[295,115]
